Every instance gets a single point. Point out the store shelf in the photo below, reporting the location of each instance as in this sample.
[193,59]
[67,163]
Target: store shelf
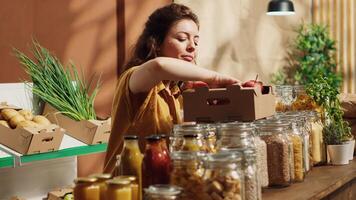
[69,147]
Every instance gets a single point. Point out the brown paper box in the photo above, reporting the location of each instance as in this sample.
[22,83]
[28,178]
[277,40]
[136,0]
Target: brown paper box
[31,140]
[87,131]
[59,193]
[228,104]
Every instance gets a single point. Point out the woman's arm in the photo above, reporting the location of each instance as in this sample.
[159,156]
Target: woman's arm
[153,71]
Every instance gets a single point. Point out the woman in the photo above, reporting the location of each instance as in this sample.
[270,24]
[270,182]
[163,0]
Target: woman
[146,100]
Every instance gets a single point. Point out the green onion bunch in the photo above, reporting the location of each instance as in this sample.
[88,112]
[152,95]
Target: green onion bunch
[59,86]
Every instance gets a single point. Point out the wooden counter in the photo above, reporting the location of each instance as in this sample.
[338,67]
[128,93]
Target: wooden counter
[324,182]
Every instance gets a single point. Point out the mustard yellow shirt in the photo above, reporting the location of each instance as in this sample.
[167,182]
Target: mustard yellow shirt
[142,114]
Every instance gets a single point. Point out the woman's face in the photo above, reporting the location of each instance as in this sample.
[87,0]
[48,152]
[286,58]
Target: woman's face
[181,41]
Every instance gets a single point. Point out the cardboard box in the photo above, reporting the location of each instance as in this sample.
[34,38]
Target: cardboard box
[233,103]
[87,131]
[59,194]
[31,140]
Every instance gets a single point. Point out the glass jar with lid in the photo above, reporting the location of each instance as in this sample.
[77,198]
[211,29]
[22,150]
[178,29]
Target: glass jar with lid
[297,138]
[210,137]
[134,184]
[235,135]
[251,175]
[318,151]
[284,97]
[223,178]
[279,152]
[188,137]
[261,156]
[156,162]
[187,173]
[119,189]
[86,188]
[302,100]
[162,192]
[101,178]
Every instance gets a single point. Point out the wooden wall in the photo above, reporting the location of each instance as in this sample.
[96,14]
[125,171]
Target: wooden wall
[340,16]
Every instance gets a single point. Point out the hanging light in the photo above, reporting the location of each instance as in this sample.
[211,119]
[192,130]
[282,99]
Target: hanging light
[280,7]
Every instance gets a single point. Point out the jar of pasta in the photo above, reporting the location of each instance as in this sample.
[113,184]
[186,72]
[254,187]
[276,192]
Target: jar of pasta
[223,177]
[187,173]
[284,98]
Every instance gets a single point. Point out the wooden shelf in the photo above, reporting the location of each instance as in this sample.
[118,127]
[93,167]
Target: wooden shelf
[320,183]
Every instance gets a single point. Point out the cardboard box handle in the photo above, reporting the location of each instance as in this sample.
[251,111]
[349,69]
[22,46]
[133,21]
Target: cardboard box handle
[48,139]
[217,101]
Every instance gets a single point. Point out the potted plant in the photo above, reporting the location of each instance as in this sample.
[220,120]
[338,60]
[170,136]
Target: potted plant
[336,131]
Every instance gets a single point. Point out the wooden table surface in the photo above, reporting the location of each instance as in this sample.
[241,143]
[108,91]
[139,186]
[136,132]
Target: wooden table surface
[319,183]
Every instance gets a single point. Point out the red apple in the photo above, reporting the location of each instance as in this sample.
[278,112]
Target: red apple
[253,83]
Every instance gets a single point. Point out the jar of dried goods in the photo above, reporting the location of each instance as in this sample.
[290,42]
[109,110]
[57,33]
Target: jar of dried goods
[284,97]
[251,175]
[318,151]
[261,156]
[187,173]
[223,178]
[279,152]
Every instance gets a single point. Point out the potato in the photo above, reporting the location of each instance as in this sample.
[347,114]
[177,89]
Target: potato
[8,113]
[16,120]
[27,123]
[4,123]
[26,114]
[41,120]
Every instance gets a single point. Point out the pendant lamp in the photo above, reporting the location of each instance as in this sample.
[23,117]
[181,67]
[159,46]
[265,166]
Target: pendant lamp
[280,7]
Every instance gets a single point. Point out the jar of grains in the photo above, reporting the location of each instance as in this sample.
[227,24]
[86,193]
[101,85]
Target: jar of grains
[251,175]
[223,178]
[261,156]
[279,152]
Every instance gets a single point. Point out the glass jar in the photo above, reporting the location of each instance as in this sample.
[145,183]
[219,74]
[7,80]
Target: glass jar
[162,192]
[284,97]
[296,137]
[156,162]
[235,135]
[210,137]
[134,184]
[118,189]
[302,100]
[318,151]
[187,173]
[101,178]
[188,137]
[223,178]
[279,152]
[261,156]
[251,175]
[85,188]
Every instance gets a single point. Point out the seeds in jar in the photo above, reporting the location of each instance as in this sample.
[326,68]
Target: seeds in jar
[261,153]
[279,173]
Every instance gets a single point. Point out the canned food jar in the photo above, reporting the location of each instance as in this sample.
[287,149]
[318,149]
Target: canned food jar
[119,189]
[86,188]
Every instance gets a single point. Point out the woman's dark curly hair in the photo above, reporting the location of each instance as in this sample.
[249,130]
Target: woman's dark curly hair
[155,31]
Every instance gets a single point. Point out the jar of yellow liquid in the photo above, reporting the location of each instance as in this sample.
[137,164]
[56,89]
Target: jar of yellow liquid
[101,178]
[118,189]
[85,188]
[134,185]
